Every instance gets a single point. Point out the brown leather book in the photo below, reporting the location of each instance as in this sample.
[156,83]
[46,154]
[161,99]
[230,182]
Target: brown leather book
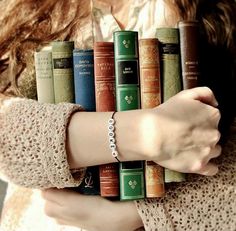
[189,52]
[150,86]
[104,73]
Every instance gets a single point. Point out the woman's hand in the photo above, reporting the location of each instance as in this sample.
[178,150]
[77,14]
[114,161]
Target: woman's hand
[182,133]
[90,212]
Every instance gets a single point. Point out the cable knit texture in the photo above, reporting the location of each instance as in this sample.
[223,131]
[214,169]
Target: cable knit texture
[33,151]
[201,203]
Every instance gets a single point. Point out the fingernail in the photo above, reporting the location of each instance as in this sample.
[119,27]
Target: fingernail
[212,171]
[216,103]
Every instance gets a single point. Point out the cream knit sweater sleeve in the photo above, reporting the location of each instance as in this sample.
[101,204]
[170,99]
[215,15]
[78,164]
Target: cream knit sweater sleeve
[33,143]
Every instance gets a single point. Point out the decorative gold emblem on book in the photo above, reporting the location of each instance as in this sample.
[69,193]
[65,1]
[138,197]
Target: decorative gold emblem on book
[129,99]
[133,184]
[126,43]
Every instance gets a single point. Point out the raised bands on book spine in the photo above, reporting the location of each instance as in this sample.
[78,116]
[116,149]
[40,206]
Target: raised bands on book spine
[171,77]
[128,98]
[150,85]
[189,50]
[63,71]
[104,72]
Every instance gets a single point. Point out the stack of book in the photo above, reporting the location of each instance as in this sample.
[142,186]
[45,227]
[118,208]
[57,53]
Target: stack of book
[126,74]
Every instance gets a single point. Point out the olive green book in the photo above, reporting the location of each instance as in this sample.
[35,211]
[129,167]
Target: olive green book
[62,60]
[171,77]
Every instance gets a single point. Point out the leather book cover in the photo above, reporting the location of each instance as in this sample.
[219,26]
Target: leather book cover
[132,180]
[44,75]
[83,63]
[128,98]
[90,184]
[171,77]
[189,52]
[154,180]
[150,79]
[62,60]
[127,70]
[150,86]
[104,71]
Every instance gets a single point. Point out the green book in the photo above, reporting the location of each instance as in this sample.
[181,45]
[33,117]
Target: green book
[44,75]
[128,98]
[62,59]
[171,77]
[132,180]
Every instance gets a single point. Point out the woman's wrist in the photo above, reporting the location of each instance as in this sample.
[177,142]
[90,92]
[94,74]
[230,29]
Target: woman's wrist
[136,134]
[88,140]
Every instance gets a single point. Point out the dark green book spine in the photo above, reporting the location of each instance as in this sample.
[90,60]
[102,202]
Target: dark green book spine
[128,98]
[171,77]
[132,180]
[127,70]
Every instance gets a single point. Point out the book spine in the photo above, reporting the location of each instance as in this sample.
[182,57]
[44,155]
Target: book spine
[128,98]
[127,70]
[44,76]
[150,86]
[63,71]
[104,72]
[90,184]
[154,178]
[132,180]
[84,88]
[83,63]
[171,77]
[150,79]
[189,53]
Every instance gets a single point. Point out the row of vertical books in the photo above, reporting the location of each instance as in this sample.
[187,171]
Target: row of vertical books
[126,74]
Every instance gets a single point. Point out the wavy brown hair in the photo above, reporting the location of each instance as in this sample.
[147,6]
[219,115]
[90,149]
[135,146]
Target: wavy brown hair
[27,24]
[217,18]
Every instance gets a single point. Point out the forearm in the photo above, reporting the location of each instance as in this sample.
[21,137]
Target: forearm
[181,134]
[88,142]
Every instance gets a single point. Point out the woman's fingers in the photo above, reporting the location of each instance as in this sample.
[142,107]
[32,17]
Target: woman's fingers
[204,167]
[57,196]
[203,94]
[215,152]
[209,169]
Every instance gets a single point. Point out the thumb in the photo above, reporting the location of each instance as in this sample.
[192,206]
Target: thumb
[203,94]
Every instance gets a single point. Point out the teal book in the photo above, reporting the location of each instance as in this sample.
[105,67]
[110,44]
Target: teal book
[83,66]
[171,77]
[62,60]
[83,63]
[128,98]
